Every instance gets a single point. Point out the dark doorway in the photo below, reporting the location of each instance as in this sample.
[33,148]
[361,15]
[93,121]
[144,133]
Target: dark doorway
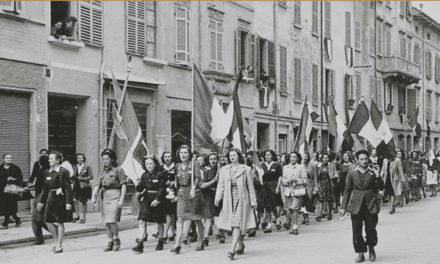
[180,129]
[263,134]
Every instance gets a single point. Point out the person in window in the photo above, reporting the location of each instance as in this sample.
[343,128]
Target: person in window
[112,188]
[65,30]
[83,174]
[170,203]
[189,199]
[151,191]
[10,174]
[272,172]
[236,191]
[56,200]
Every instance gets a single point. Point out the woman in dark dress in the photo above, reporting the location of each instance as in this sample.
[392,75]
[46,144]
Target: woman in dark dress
[272,172]
[151,194]
[208,187]
[339,187]
[82,190]
[325,173]
[9,174]
[56,198]
[170,203]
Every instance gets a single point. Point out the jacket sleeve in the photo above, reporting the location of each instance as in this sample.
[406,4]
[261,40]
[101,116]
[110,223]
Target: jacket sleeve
[66,186]
[162,187]
[400,171]
[44,193]
[250,186]
[348,190]
[35,170]
[220,186]
[17,175]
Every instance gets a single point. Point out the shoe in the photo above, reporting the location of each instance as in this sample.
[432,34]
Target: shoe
[286,226]
[193,239]
[268,230]
[360,258]
[176,250]
[329,217]
[263,225]
[294,232]
[318,218]
[372,254]
[37,243]
[4,227]
[74,220]
[159,245]
[206,242]
[58,250]
[18,223]
[222,240]
[139,248]
[252,234]
[185,241]
[278,226]
[201,247]
[109,247]
[392,211]
[210,231]
[155,235]
[172,238]
[231,255]
[240,251]
[117,244]
[82,221]
[146,238]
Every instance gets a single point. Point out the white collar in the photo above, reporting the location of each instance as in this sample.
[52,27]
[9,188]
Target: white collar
[358,168]
[168,168]
[269,164]
[57,169]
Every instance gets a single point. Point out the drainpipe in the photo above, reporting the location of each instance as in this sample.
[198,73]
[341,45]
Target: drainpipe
[322,75]
[277,83]
[101,112]
[423,69]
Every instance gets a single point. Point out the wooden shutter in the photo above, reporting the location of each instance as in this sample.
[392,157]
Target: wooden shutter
[403,47]
[411,98]
[347,29]
[417,54]
[372,87]
[437,70]
[315,84]
[237,50]
[271,58]
[283,69]
[297,76]
[408,55]
[379,94]
[136,27]
[428,65]
[388,36]
[150,50]
[216,38]
[327,13]
[181,29]
[358,86]
[315,17]
[372,41]
[257,58]
[297,12]
[358,35]
[379,38]
[91,23]
[348,95]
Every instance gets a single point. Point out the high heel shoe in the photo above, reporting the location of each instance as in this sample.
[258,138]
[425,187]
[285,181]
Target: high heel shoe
[206,242]
[201,247]
[109,247]
[240,251]
[176,250]
[172,238]
[231,255]
[58,250]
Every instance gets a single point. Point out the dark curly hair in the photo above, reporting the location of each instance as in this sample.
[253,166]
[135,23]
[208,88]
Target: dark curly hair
[350,159]
[308,155]
[44,162]
[324,154]
[81,154]
[209,156]
[163,155]
[189,152]
[274,155]
[154,159]
[240,155]
[286,158]
[298,156]
[111,154]
[362,151]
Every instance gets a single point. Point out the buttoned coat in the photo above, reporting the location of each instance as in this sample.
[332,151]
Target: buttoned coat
[396,174]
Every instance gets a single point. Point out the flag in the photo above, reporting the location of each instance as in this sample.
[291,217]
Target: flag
[336,125]
[362,125]
[211,123]
[305,128]
[380,123]
[412,119]
[126,138]
[236,133]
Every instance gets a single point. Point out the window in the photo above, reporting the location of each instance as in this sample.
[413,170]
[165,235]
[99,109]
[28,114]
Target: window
[181,15]
[387,95]
[428,65]
[315,75]
[62,24]
[358,35]
[90,23]
[349,92]
[327,8]
[216,35]
[417,54]
[402,47]
[428,36]
[402,100]
[411,101]
[141,28]
[429,106]
[437,69]
[271,59]
[372,41]
[409,41]
[379,38]
[379,94]
[347,29]
[417,29]
[402,8]
[283,69]
[329,84]
[437,102]
[297,13]
[373,93]
[388,42]
[244,47]
[315,17]
[12,6]
[297,77]
[358,81]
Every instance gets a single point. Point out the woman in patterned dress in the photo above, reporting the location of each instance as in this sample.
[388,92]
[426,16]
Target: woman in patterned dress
[170,204]
[111,188]
[236,189]
[325,173]
[189,199]
[56,197]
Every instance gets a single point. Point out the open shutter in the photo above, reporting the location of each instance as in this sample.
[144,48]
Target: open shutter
[358,86]
[136,27]
[257,58]
[411,95]
[283,69]
[181,16]
[358,35]
[315,17]
[347,29]
[90,23]
[297,76]
[237,51]
[379,38]
[372,87]
[271,59]
[219,46]
[327,13]
[315,84]
[437,69]
[379,94]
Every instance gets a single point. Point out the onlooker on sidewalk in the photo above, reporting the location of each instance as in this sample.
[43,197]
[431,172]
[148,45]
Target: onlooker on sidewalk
[82,190]
[11,179]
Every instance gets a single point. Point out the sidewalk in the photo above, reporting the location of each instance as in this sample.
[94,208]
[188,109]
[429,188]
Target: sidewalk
[24,234]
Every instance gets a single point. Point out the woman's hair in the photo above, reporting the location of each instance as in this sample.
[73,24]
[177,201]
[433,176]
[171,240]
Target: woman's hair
[6,154]
[209,156]
[111,154]
[324,154]
[350,159]
[183,147]
[298,156]
[240,155]
[274,155]
[58,156]
[44,162]
[163,155]
[306,154]
[81,154]
[414,152]
[286,158]
[154,159]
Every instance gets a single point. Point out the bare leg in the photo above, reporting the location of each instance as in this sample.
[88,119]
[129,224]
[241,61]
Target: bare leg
[60,235]
[75,205]
[84,211]
[142,230]
[200,231]
[115,230]
[179,233]
[160,230]
[53,230]
[208,224]
[108,231]
[236,233]
[167,224]
[294,219]
[186,226]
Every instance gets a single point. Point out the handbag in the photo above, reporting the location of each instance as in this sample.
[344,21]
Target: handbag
[288,192]
[13,189]
[299,192]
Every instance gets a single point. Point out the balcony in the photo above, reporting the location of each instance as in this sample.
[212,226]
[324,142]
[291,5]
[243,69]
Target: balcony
[400,70]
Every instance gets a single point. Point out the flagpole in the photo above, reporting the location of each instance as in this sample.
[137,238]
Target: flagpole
[124,89]
[297,134]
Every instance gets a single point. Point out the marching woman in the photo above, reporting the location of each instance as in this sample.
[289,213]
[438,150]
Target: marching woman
[392,175]
[208,187]
[272,172]
[433,166]
[236,189]
[151,194]
[11,179]
[293,180]
[325,173]
[189,199]
[310,187]
[344,168]
[111,189]
[56,198]
[82,189]
[170,203]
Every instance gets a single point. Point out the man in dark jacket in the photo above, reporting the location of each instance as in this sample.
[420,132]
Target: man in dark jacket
[361,201]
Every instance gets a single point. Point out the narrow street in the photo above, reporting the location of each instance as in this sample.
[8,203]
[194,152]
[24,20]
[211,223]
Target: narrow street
[409,236]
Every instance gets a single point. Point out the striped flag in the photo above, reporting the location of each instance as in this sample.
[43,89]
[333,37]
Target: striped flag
[236,134]
[117,124]
[305,128]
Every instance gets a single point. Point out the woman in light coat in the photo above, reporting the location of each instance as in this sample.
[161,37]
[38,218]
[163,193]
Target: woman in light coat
[236,189]
[393,175]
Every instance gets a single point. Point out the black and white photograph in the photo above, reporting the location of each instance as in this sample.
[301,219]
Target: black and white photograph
[209,132]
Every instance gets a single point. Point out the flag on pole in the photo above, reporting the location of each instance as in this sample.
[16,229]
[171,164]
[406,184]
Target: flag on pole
[305,129]
[336,125]
[386,147]
[412,122]
[211,123]
[362,125]
[236,133]
[126,139]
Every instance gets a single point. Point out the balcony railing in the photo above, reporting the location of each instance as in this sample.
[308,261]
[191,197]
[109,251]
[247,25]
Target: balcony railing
[399,68]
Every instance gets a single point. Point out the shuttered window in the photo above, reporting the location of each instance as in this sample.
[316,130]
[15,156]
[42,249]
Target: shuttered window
[372,87]
[283,69]
[428,65]
[429,106]
[417,54]
[388,95]
[297,12]
[358,35]
[372,41]
[412,102]
[327,10]
[216,36]
[437,107]
[297,78]
[347,29]
[388,42]
[408,55]
[403,47]
[358,86]
[271,59]
[315,17]
[401,97]
[315,84]
[91,23]
[13,6]
[141,28]
[349,93]
[379,38]
[379,94]
[437,69]
[181,34]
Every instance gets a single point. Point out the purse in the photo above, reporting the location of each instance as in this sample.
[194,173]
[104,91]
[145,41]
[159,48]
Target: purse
[13,189]
[299,192]
[288,192]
